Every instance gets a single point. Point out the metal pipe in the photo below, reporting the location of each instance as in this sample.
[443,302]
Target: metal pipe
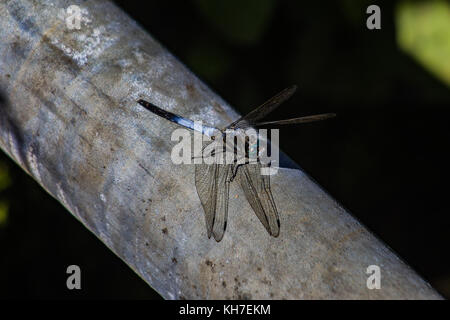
[69,117]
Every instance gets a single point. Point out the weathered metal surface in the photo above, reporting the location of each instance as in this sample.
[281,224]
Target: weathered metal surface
[69,117]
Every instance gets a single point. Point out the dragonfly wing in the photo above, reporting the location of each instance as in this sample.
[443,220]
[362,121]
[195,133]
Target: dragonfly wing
[307,119]
[213,186]
[256,188]
[264,109]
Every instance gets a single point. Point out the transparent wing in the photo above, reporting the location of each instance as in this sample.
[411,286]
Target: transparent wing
[277,123]
[213,186]
[256,188]
[264,109]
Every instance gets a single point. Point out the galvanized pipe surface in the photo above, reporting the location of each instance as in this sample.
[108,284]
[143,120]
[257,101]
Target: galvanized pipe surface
[69,118]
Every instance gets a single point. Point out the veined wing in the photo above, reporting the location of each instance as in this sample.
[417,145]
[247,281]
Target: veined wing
[212,182]
[256,188]
[264,109]
[306,119]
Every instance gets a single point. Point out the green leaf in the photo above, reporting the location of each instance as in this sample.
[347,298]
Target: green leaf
[423,31]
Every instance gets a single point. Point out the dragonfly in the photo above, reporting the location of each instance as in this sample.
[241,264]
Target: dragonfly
[212,181]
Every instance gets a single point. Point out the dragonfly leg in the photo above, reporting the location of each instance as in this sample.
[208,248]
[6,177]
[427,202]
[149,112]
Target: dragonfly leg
[235,170]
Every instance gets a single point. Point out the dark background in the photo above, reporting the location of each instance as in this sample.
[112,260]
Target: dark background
[384,157]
